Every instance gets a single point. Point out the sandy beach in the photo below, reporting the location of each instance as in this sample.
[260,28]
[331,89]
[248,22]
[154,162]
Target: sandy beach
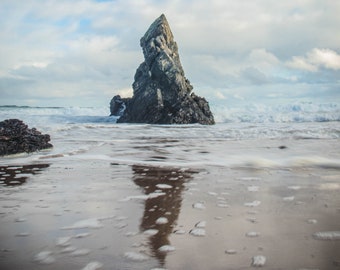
[87,211]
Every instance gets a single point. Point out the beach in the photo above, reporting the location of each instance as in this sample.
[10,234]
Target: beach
[113,196]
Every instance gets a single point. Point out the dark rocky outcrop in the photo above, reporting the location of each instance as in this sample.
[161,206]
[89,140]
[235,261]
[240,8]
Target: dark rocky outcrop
[117,106]
[16,137]
[161,92]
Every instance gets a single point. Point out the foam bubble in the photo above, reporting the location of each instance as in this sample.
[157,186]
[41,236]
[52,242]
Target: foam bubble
[44,257]
[135,256]
[81,235]
[222,205]
[331,235]
[312,221]
[197,232]
[63,241]
[199,205]
[259,261]
[164,186]
[93,266]
[294,187]
[201,224]
[68,249]
[252,204]
[92,223]
[143,197]
[289,199]
[166,248]
[162,220]
[252,234]
[80,252]
[151,232]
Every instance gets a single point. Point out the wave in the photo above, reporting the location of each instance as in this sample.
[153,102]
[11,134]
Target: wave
[250,113]
[286,113]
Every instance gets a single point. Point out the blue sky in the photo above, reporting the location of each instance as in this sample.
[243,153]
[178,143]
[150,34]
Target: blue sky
[82,52]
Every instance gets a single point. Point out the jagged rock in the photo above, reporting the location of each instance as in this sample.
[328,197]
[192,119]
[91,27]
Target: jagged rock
[161,92]
[16,137]
[117,106]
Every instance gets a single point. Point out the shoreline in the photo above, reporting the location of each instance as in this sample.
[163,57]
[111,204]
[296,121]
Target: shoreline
[202,218]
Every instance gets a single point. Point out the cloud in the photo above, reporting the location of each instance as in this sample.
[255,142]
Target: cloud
[89,50]
[315,59]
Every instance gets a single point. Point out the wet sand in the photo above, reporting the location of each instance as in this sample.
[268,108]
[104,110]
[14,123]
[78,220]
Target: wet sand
[75,213]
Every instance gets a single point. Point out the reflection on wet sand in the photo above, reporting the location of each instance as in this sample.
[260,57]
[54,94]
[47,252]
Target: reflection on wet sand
[161,213]
[17,175]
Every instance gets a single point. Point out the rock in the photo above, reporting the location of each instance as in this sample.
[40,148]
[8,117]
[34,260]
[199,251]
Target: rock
[117,106]
[16,137]
[161,92]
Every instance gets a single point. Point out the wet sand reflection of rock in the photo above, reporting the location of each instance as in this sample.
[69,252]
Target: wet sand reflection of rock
[161,213]
[17,175]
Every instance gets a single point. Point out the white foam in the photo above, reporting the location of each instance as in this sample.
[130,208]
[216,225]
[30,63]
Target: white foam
[164,186]
[68,249]
[197,232]
[289,199]
[135,256]
[199,205]
[312,221]
[166,248]
[331,235]
[252,204]
[93,266]
[82,235]
[92,223]
[151,232]
[252,234]
[143,197]
[63,241]
[162,220]
[222,205]
[330,186]
[44,257]
[201,224]
[249,178]
[259,261]
[294,187]
[80,252]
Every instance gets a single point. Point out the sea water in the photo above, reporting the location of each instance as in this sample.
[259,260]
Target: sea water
[258,189]
[76,130]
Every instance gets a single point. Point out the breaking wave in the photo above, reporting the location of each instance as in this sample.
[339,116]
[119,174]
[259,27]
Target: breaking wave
[253,113]
[290,113]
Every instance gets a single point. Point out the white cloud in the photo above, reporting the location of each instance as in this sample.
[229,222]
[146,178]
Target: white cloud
[315,59]
[302,63]
[86,47]
[325,58]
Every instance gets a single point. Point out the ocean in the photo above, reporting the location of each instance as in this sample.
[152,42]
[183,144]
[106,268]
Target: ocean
[259,188]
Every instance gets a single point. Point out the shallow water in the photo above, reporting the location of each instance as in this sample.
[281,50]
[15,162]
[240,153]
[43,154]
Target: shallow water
[174,197]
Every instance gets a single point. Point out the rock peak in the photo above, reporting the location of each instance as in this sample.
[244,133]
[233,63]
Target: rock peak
[159,27]
[161,92]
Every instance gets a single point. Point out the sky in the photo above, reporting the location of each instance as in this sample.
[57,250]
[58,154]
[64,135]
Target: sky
[83,52]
